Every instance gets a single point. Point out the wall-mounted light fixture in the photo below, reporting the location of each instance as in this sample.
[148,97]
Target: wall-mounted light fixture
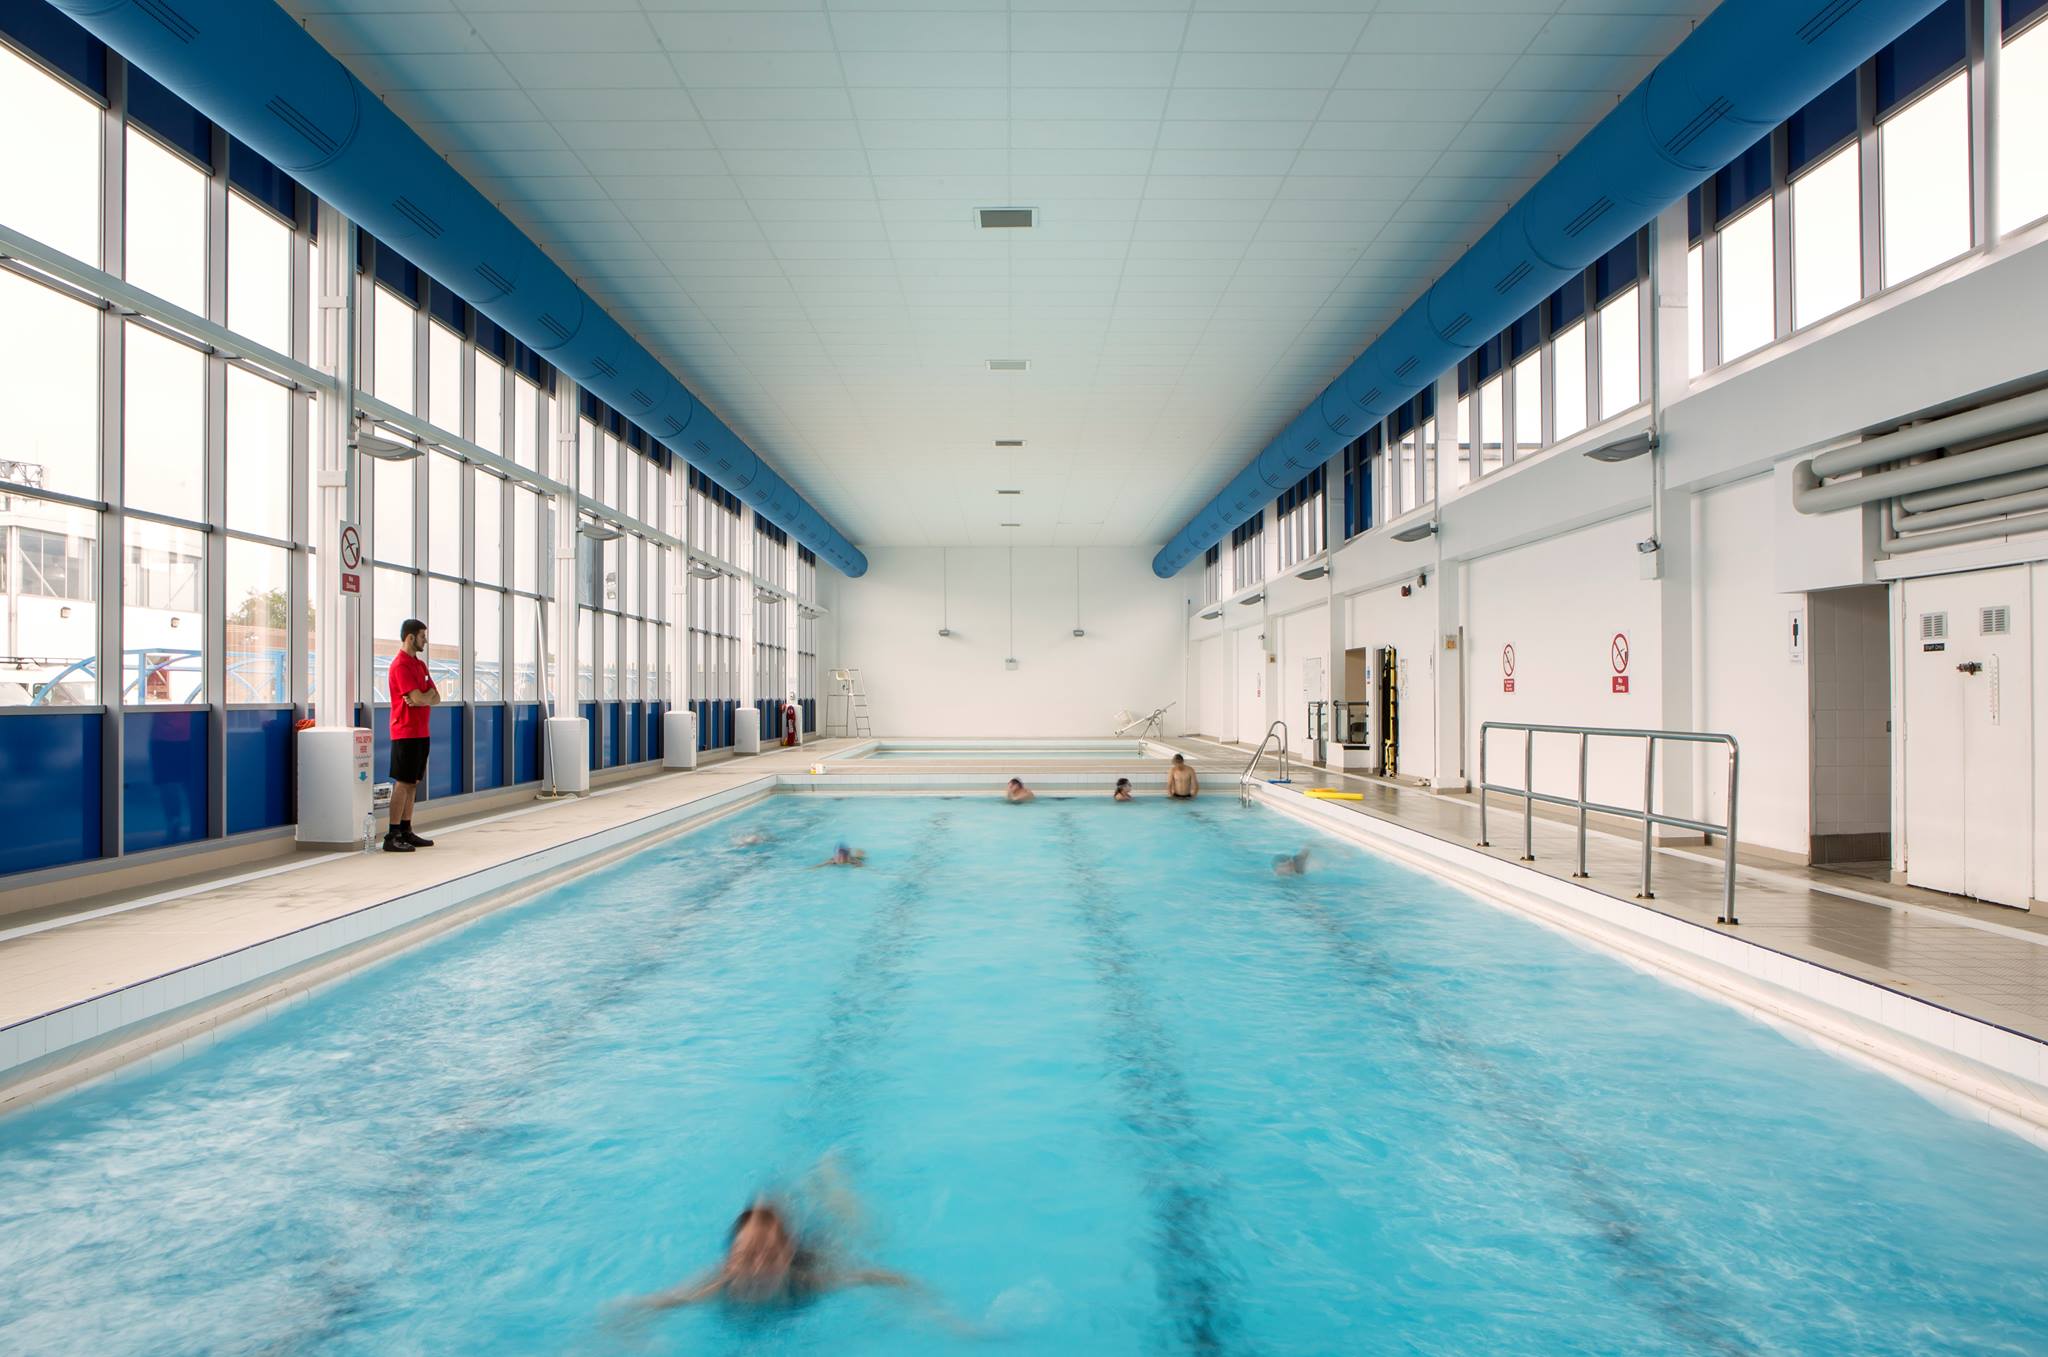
[1622,449]
[701,571]
[1250,599]
[1314,572]
[598,532]
[372,444]
[1415,532]
[1212,614]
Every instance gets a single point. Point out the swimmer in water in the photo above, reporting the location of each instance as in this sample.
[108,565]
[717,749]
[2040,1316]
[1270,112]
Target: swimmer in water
[1123,790]
[1295,865]
[1017,793]
[753,839]
[842,856]
[1181,783]
[766,1262]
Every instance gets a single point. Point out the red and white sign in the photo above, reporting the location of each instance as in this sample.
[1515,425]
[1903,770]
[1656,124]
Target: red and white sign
[364,748]
[351,559]
[1507,669]
[1617,655]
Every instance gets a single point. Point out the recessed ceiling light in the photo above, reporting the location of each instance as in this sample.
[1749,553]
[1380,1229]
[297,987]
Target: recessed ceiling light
[1009,442]
[1009,492]
[1009,364]
[1012,525]
[1010,218]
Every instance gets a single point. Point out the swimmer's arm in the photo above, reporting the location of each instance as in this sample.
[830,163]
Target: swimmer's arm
[875,1276]
[688,1294]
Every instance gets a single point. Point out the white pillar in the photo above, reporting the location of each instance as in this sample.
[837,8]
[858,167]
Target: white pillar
[568,734]
[334,489]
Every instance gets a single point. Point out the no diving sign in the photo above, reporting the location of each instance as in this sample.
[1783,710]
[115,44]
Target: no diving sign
[351,559]
[1617,656]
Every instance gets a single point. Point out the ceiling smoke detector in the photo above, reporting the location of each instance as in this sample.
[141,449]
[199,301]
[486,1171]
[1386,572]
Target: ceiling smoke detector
[1009,364]
[1007,218]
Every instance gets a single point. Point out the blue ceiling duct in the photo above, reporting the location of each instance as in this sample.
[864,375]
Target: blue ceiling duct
[248,65]
[1748,66]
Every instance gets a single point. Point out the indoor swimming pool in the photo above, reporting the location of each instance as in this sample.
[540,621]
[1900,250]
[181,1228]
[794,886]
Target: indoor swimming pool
[1100,1079]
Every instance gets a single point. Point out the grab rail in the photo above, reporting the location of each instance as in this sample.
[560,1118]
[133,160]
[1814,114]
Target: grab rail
[1244,781]
[1648,814]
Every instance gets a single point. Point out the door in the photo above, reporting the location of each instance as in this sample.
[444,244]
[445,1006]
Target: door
[1390,711]
[1251,686]
[1968,677]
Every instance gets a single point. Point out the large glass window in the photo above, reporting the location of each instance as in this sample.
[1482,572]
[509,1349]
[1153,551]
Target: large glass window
[2022,128]
[49,160]
[490,515]
[525,422]
[444,378]
[490,645]
[392,601]
[1924,170]
[258,623]
[48,576]
[526,517]
[1695,311]
[1491,422]
[1568,380]
[395,379]
[393,485]
[259,455]
[163,626]
[1621,354]
[1827,237]
[1528,379]
[49,389]
[490,404]
[1749,288]
[259,274]
[164,425]
[444,635]
[166,235]
[525,649]
[444,514]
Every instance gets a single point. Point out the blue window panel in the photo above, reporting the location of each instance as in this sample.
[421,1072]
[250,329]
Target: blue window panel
[653,745]
[262,181]
[448,308]
[493,340]
[53,39]
[1693,222]
[490,745]
[1737,184]
[395,271]
[527,727]
[175,122]
[1614,271]
[259,778]
[1825,123]
[1922,55]
[1567,304]
[446,755]
[595,729]
[163,779]
[1526,333]
[2018,12]
[810,706]
[50,797]
[636,731]
[614,734]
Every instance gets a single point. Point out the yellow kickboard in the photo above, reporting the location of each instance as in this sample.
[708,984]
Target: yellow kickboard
[1329,794]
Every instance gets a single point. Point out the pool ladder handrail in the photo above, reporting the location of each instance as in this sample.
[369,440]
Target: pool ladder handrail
[1247,778]
[1647,815]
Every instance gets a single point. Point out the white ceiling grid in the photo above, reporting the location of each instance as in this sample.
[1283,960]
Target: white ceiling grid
[778,199]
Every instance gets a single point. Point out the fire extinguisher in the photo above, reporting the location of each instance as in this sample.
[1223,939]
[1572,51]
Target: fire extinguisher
[792,723]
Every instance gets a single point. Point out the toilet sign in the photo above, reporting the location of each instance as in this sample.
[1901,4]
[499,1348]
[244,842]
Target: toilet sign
[1617,655]
[351,559]
[1507,669]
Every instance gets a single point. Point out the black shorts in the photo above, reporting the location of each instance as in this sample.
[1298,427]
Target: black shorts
[409,759]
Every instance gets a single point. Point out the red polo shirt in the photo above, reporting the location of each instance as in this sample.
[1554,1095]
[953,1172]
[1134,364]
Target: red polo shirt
[408,675]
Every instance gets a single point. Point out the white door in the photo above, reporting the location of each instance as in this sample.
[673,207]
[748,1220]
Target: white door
[1968,678]
[1219,700]
[1251,685]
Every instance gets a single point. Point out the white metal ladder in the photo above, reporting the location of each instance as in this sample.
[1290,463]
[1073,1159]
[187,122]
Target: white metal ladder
[1249,776]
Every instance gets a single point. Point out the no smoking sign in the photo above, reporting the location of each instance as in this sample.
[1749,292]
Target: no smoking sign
[1507,669]
[351,559]
[1617,656]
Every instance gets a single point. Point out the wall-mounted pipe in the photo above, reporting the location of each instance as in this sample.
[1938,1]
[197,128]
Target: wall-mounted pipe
[1993,487]
[1747,67]
[1892,544]
[1810,496]
[250,67]
[1971,512]
[1986,421]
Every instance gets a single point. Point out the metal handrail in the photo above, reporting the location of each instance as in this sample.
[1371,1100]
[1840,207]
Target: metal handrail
[1648,814]
[1244,781]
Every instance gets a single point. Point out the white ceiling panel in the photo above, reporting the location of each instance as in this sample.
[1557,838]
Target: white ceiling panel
[778,197]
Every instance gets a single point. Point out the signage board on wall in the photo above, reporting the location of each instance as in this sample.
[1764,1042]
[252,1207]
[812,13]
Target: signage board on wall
[1507,668]
[1617,656]
[351,559]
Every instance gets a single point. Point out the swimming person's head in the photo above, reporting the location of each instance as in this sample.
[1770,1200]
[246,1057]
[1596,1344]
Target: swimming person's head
[1016,784]
[760,1251]
[1178,759]
[1123,784]
[842,854]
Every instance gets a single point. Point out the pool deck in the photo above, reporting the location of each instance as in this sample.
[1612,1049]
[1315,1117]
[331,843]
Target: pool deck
[1982,961]
[1985,961]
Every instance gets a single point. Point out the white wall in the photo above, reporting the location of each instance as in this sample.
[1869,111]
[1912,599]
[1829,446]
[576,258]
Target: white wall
[1750,686]
[1216,667]
[1560,603]
[918,683]
[1304,637]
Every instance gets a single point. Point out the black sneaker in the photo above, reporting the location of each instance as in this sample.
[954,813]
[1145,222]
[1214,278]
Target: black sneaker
[395,843]
[415,840]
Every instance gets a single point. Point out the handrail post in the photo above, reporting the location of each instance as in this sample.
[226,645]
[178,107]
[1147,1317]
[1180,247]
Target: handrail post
[1483,793]
[1529,796]
[1728,867]
[1649,813]
[1582,872]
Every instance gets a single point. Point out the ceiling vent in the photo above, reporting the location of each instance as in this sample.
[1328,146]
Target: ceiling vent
[1009,442]
[1009,492]
[1009,364]
[1011,525]
[1007,218]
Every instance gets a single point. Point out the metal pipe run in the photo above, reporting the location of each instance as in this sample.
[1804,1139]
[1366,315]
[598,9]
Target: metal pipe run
[1811,496]
[1968,426]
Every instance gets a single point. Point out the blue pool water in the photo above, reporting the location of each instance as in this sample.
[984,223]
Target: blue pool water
[1103,1081]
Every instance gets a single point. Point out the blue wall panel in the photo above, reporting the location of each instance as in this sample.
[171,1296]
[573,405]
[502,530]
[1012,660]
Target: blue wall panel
[655,711]
[50,796]
[614,734]
[595,729]
[490,745]
[527,724]
[259,781]
[163,778]
[447,756]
